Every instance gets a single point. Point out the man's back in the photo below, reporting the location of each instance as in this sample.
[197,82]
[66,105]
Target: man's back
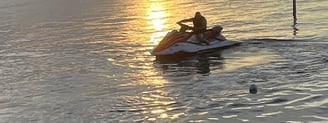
[200,24]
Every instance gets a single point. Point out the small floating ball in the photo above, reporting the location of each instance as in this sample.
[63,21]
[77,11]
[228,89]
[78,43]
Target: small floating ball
[325,59]
[253,89]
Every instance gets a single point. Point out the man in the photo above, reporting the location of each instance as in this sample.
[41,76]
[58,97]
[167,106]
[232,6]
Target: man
[200,25]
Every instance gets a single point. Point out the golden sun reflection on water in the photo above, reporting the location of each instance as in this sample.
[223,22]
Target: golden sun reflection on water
[157,14]
[157,104]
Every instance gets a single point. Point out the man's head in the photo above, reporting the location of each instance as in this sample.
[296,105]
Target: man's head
[198,15]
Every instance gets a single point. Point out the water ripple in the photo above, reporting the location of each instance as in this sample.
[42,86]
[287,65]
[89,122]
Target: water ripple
[89,61]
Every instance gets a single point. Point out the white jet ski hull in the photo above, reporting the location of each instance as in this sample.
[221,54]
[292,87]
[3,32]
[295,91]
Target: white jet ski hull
[178,43]
[187,47]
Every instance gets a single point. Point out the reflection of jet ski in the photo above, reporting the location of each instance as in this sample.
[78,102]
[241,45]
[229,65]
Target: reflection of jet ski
[200,63]
[183,42]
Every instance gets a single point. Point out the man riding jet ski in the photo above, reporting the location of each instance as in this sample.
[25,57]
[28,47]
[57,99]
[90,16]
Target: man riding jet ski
[200,26]
[200,39]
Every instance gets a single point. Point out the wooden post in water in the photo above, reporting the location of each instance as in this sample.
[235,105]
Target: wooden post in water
[294,9]
[295,18]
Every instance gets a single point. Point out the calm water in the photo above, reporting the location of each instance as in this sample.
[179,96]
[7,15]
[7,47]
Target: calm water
[88,61]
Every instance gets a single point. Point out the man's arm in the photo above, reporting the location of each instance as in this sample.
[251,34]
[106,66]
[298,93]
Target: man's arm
[187,20]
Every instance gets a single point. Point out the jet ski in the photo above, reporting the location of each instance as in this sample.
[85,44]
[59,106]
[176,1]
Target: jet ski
[176,42]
